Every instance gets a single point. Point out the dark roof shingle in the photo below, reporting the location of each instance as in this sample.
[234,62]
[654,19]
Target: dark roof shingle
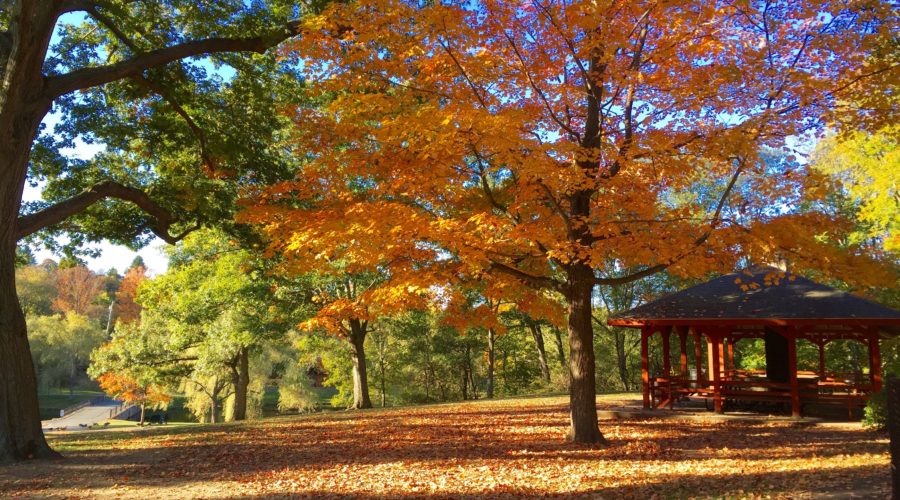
[759,293]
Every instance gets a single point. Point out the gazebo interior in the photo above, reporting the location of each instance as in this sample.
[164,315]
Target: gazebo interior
[781,309]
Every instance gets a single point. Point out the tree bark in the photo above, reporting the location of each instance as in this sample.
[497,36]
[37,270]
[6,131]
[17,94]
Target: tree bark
[143,414]
[358,355]
[542,352]
[22,107]
[489,390]
[21,436]
[241,383]
[582,385]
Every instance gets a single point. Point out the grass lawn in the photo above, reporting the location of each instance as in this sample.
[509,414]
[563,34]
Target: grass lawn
[510,448]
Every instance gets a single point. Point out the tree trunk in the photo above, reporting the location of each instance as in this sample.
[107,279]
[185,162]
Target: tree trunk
[109,320]
[214,400]
[621,359]
[358,355]
[542,352]
[489,391]
[582,385]
[465,374]
[22,107]
[143,414]
[241,383]
[21,436]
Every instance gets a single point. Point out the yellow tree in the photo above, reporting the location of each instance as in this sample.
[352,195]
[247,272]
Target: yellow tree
[564,145]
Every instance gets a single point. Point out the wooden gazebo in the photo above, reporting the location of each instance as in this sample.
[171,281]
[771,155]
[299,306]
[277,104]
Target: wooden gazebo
[760,303]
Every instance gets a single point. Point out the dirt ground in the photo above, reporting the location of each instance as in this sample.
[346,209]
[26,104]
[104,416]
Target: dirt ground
[500,449]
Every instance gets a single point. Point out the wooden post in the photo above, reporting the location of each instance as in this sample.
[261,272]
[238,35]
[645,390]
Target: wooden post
[698,356]
[792,373]
[682,341]
[645,366]
[715,343]
[667,356]
[875,362]
[730,365]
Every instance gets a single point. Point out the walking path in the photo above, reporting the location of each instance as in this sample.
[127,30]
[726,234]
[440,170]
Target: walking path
[84,417]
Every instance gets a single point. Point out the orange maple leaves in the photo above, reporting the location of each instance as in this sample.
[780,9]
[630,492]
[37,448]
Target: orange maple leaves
[125,388]
[452,140]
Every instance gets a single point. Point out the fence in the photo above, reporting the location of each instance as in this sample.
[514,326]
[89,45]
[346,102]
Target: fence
[69,409]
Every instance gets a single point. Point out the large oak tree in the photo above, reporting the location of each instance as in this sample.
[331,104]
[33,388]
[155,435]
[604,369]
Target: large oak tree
[146,48]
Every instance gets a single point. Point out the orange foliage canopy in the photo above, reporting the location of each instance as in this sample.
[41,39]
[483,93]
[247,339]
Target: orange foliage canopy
[78,289]
[129,311]
[123,387]
[472,130]
[561,145]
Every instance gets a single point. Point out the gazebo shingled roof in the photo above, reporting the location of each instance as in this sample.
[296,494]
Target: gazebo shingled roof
[791,298]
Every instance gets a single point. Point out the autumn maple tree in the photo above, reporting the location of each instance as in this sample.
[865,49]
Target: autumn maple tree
[564,145]
[124,387]
[129,310]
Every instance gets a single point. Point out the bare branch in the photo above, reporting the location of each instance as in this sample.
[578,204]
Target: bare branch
[565,126]
[464,73]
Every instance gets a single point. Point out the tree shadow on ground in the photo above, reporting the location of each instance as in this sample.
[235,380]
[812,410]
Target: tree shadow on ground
[432,438]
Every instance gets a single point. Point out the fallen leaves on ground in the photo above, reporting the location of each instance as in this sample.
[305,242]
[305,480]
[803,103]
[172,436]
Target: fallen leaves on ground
[510,448]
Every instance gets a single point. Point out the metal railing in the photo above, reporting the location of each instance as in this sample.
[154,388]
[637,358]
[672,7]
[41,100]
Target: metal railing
[73,408]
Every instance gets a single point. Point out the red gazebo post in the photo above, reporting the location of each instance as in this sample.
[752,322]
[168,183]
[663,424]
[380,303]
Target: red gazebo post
[730,364]
[821,343]
[715,347]
[645,365]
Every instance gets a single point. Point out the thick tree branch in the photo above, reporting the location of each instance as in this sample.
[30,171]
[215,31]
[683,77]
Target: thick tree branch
[628,278]
[463,72]
[539,282]
[91,77]
[162,218]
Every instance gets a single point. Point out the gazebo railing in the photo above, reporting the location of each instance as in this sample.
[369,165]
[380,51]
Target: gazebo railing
[665,391]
